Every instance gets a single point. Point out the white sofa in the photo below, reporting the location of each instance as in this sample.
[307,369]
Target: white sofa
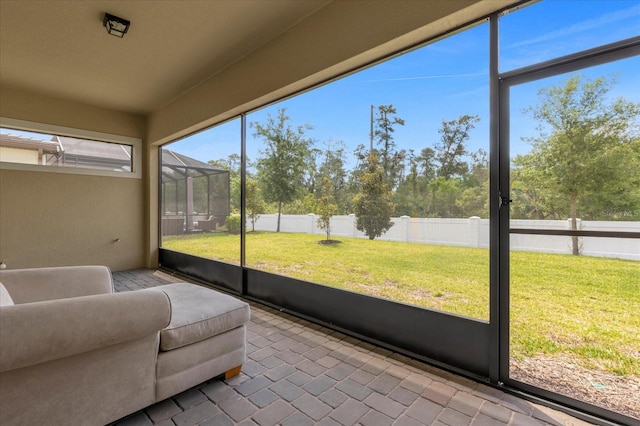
[74,352]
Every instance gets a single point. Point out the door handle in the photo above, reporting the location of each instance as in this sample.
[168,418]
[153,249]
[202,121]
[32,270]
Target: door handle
[504,201]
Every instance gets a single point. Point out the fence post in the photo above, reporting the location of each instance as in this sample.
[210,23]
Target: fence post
[353,224]
[474,231]
[404,220]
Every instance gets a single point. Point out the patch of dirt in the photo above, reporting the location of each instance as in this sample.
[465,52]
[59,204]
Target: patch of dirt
[377,290]
[562,375]
[390,283]
[329,242]
[371,290]
[422,297]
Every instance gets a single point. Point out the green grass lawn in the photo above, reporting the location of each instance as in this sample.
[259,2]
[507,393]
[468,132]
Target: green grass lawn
[583,307]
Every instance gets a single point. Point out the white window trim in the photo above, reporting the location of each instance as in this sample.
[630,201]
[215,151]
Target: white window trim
[31,126]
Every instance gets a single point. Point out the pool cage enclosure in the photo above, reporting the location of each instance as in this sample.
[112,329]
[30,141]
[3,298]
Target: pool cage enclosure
[194,195]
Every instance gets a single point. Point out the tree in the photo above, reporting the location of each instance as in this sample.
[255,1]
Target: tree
[373,205]
[392,160]
[312,176]
[451,150]
[587,153]
[474,200]
[425,163]
[326,206]
[361,155]
[281,170]
[301,205]
[332,167]
[233,165]
[443,195]
[254,204]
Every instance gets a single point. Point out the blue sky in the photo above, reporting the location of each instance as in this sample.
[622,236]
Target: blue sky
[446,79]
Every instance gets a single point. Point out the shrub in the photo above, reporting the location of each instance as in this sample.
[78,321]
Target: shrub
[233,224]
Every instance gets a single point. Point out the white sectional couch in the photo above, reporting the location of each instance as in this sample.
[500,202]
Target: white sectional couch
[74,352]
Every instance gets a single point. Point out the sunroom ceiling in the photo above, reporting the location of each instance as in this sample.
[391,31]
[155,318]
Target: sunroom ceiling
[60,48]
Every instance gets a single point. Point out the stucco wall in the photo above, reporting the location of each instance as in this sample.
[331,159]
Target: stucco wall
[49,219]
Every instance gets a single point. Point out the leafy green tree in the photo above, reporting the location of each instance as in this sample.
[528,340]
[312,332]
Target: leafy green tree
[474,200]
[301,205]
[326,206]
[530,198]
[446,180]
[587,153]
[312,177]
[443,194]
[332,166]
[361,155]
[411,196]
[425,164]
[373,205]
[254,204]
[392,160]
[232,164]
[407,195]
[281,171]
[451,150]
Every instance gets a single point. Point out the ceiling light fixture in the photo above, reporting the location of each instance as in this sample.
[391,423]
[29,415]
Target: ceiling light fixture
[115,26]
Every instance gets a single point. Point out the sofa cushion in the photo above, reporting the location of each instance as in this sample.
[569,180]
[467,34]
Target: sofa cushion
[5,297]
[198,313]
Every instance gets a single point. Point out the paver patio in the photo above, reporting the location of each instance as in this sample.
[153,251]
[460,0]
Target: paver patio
[300,373]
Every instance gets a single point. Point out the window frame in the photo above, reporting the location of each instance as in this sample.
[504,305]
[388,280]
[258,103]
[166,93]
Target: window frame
[134,143]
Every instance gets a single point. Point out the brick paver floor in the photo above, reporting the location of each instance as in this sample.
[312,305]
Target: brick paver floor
[300,373]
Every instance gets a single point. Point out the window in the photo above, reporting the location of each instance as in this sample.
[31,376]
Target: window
[63,150]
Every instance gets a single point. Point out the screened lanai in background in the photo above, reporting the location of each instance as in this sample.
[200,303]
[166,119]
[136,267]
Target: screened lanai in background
[63,151]
[195,195]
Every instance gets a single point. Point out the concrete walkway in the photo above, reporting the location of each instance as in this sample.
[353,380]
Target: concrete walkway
[299,373]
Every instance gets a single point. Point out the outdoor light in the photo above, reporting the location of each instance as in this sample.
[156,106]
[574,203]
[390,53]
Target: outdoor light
[115,26]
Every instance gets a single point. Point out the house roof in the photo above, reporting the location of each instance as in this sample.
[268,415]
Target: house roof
[21,142]
[176,166]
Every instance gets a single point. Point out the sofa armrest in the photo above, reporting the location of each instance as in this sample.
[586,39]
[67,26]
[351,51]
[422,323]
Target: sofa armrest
[33,333]
[39,284]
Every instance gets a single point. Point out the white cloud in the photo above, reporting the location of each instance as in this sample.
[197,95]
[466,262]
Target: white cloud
[606,20]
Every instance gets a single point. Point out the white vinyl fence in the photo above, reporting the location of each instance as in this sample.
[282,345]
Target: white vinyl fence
[471,232]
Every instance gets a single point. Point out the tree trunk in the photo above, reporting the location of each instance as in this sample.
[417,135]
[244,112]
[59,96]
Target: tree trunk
[279,212]
[574,225]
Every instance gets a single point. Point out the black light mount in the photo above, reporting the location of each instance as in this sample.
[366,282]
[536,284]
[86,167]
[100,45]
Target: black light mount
[115,26]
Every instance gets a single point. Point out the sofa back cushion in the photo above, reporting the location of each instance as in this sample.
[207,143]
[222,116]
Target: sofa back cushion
[5,297]
[40,284]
